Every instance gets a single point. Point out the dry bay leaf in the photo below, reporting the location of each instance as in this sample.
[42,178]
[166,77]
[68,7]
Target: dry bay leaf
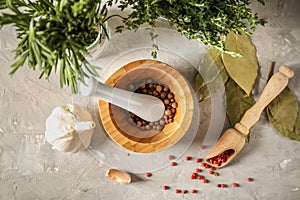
[297,127]
[283,115]
[238,102]
[212,68]
[243,70]
[280,127]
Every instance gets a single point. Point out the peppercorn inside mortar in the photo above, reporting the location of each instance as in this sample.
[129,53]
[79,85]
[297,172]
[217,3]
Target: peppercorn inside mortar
[161,91]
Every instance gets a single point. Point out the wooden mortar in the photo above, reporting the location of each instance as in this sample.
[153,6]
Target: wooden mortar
[116,121]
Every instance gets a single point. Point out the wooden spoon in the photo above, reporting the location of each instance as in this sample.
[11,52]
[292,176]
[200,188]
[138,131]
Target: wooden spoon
[233,139]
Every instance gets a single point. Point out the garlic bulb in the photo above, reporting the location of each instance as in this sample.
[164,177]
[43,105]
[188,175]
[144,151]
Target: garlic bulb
[69,128]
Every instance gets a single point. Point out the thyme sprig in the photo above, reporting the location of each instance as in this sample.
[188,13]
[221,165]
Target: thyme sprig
[204,20]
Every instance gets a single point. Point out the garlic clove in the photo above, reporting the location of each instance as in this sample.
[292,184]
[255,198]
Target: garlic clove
[118,176]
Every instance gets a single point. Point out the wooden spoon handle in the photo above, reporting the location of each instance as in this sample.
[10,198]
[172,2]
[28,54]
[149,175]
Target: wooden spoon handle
[273,88]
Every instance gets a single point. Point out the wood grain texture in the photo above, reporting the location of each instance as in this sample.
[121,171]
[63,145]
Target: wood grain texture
[117,122]
[234,138]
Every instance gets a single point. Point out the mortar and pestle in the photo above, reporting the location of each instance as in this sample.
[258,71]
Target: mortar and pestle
[115,103]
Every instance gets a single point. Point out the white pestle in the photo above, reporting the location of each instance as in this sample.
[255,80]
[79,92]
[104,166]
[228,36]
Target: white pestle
[147,107]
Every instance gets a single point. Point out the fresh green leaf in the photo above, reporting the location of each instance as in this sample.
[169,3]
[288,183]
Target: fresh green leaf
[62,76]
[206,21]
[49,29]
[10,4]
[243,70]
[37,53]
[19,63]
[284,116]
[3,4]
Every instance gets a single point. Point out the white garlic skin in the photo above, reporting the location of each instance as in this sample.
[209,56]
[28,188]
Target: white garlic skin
[69,128]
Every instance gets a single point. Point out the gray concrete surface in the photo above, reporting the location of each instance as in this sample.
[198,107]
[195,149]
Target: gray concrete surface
[30,169]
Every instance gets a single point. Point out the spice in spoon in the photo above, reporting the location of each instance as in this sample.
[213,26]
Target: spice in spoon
[221,158]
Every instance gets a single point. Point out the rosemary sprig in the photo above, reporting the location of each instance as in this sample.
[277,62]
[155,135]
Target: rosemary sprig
[54,34]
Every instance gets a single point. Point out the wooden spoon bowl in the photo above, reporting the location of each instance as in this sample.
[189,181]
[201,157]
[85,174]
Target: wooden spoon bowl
[228,141]
[120,127]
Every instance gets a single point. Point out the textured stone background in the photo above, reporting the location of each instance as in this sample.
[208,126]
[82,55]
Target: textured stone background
[30,169]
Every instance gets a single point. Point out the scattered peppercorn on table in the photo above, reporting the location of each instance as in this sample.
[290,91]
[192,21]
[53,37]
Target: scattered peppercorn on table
[267,168]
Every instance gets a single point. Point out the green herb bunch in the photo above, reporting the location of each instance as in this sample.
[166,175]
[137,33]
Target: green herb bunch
[55,33]
[204,20]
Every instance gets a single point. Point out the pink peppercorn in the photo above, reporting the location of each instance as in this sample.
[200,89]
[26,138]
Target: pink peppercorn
[235,185]
[184,191]
[202,147]
[200,177]
[194,191]
[188,158]
[171,157]
[223,185]
[166,187]
[194,175]
[178,191]
[173,163]
[148,174]
[198,160]
[211,172]
[205,181]
[250,179]
[198,170]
